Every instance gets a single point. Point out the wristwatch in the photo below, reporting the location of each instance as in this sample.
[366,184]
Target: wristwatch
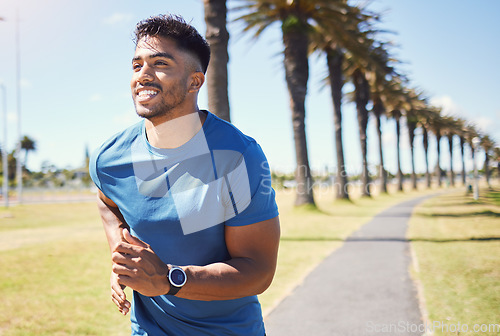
[177,278]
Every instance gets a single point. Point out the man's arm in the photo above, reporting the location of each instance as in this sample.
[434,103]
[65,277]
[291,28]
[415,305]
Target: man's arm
[113,223]
[253,250]
[250,271]
[112,220]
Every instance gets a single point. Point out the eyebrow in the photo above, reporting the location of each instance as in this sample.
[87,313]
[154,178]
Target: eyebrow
[161,54]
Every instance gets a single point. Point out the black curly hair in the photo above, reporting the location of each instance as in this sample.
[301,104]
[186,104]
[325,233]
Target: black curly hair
[176,28]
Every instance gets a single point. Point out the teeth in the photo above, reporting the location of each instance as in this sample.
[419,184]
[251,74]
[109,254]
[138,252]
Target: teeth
[147,93]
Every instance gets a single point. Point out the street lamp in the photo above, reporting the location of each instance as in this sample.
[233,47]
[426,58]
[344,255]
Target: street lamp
[475,145]
[5,186]
[19,171]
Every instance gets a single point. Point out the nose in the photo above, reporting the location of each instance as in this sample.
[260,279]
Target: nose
[144,75]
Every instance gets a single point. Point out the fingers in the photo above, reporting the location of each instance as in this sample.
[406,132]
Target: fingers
[123,270]
[133,240]
[121,258]
[122,304]
[118,296]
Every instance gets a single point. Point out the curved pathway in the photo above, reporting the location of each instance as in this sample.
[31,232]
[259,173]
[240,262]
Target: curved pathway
[362,288]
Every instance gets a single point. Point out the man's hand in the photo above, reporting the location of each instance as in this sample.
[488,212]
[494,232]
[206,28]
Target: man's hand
[138,267]
[118,295]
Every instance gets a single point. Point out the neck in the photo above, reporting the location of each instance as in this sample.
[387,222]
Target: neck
[176,131]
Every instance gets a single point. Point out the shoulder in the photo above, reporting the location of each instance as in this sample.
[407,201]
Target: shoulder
[116,145]
[222,135]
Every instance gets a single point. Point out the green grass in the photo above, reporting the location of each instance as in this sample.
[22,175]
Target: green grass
[55,261]
[34,216]
[457,243]
[58,288]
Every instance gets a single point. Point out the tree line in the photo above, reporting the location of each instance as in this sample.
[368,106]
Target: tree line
[348,37]
[48,176]
[27,145]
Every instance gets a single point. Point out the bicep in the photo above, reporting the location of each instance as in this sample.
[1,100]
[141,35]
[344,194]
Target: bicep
[257,242]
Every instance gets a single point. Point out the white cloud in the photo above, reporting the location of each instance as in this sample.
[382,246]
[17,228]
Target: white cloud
[95,97]
[12,117]
[488,124]
[449,107]
[117,18]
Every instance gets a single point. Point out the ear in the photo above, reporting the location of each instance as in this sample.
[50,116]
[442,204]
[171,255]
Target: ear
[197,80]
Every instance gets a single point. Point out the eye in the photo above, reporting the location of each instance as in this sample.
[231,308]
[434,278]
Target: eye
[136,66]
[161,63]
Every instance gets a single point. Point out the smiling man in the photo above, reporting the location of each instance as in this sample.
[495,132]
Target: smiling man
[185,199]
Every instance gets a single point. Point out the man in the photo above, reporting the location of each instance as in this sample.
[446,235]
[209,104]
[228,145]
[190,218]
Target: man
[185,199]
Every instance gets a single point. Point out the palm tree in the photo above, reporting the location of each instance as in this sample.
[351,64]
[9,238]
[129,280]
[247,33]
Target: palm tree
[379,110]
[380,85]
[362,97]
[487,144]
[414,115]
[368,71]
[452,126]
[425,143]
[335,41]
[461,135]
[297,20]
[334,58]
[436,125]
[470,133]
[427,115]
[28,145]
[218,37]
[396,102]
[12,164]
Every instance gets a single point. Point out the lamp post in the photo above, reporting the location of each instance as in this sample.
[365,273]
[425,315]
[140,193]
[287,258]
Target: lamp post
[19,172]
[475,144]
[5,186]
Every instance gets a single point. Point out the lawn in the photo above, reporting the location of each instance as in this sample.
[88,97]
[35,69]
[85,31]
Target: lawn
[55,261]
[457,243]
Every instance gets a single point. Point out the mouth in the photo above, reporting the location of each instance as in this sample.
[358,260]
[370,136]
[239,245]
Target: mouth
[144,95]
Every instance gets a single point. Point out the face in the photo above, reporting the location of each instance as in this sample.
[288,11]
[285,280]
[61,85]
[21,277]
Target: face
[160,77]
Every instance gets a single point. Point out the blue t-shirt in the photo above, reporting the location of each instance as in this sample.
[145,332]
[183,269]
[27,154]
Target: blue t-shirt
[178,201]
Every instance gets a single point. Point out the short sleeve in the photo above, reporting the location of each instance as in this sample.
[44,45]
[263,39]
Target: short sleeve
[252,194]
[93,168]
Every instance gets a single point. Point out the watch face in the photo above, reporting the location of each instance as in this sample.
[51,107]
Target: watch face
[177,277]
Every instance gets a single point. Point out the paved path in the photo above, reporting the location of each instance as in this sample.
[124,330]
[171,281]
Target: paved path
[361,288]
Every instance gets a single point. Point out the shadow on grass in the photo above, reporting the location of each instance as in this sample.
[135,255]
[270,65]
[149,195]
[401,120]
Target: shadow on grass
[486,213]
[390,239]
[493,196]
[310,209]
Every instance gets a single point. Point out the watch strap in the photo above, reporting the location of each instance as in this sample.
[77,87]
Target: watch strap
[173,290]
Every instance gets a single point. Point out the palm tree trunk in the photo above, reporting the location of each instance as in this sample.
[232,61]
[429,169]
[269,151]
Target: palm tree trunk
[362,92]
[438,149]
[297,73]
[378,109]
[462,150]
[487,167]
[399,174]
[218,37]
[425,140]
[334,60]
[452,173]
[411,137]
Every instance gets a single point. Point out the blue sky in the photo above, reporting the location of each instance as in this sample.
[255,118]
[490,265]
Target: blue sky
[75,61]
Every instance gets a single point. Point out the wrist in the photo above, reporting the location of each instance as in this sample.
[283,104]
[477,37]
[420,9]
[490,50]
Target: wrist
[176,278]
